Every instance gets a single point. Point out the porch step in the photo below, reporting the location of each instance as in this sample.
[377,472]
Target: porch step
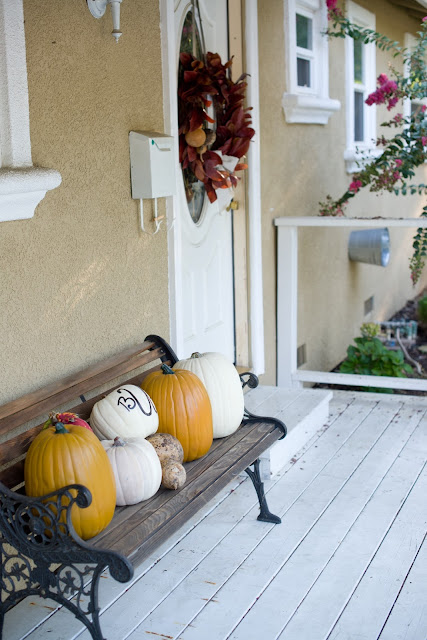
[304,411]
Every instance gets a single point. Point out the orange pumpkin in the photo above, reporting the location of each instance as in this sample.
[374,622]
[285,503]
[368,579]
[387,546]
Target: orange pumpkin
[61,455]
[184,409]
[195,138]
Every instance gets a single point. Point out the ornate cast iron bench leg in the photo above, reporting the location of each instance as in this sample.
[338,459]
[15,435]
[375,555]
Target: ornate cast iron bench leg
[265,515]
[36,533]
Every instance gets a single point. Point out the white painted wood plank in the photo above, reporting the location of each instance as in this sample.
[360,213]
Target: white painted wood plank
[408,618]
[338,404]
[331,221]
[287,305]
[354,380]
[302,424]
[269,401]
[250,529]
[303,560]
[165,620]
[327,597]
[380,585]
[409,400]
[297,410]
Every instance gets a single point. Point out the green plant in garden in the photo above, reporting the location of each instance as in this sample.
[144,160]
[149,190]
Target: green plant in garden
[422,312]
[369,356]
[369,329]
[404,151]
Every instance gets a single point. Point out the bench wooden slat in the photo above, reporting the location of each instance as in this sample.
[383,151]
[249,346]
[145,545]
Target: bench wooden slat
[221,481]
[135,531]
[37,402]
[220,460]
[143,510]
[19,444]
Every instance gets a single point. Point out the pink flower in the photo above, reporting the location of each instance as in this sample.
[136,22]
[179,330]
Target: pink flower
[425,19]
[387,92]
[398,162]
[333,11]
[355,186]
[382,78]
[423,108]
[398,118]
[424,141]
[396,176]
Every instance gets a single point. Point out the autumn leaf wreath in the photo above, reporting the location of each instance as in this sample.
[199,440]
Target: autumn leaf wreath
[202,149]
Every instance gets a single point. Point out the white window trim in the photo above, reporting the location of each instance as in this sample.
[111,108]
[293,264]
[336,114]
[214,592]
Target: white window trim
[360,153]
[301,104]
[22,186]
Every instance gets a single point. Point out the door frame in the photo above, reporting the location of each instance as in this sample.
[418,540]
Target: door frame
[170,110]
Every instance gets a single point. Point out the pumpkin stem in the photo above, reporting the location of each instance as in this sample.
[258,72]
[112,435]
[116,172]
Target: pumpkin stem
[166,369]
[196,354]
[60,428]
[118,442]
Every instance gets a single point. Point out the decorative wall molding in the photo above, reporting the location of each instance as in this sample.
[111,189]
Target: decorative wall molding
[22,186]
[21,190]
[305,109]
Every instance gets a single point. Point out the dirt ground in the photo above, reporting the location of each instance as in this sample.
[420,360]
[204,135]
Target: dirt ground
[417,350]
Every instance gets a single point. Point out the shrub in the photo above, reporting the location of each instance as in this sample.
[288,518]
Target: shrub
[422,312]
[370,357]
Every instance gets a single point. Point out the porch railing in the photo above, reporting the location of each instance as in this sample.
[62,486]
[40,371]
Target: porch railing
[288,375]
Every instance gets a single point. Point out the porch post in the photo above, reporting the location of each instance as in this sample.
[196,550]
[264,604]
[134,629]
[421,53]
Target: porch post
[256,302]
[287,305]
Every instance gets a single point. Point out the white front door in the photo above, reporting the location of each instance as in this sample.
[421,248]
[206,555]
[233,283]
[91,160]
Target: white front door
[204,258]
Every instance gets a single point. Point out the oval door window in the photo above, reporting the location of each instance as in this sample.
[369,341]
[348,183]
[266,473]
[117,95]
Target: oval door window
[194,189]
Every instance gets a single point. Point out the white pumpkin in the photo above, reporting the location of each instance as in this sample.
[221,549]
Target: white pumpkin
[127,412]
[224,388]
[136,468]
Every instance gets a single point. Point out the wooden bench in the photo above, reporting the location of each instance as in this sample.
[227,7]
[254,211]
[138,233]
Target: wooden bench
[50,559]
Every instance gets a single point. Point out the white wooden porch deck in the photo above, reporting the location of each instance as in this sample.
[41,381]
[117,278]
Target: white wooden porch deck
[348,562]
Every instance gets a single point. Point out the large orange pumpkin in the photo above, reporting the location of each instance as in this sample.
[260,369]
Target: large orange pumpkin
[184,409]
[61,455]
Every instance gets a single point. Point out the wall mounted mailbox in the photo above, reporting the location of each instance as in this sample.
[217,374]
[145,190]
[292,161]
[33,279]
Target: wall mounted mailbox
[152,164]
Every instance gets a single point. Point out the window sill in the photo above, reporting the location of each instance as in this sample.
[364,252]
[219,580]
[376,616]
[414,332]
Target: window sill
[21,190]
[357,160]
[307,109]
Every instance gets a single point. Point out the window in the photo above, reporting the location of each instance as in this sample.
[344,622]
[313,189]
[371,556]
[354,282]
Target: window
[360,82]
[307,99]
[411,106]
[22,186]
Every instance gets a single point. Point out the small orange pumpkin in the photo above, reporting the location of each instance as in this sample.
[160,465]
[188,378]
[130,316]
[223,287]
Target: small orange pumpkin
[61,455]
[195,138]
[184,409]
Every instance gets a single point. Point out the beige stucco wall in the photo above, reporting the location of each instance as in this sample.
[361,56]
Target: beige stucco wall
[80,281]
[301,164]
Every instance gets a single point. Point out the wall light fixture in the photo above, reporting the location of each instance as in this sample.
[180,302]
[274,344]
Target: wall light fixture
[97,9]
